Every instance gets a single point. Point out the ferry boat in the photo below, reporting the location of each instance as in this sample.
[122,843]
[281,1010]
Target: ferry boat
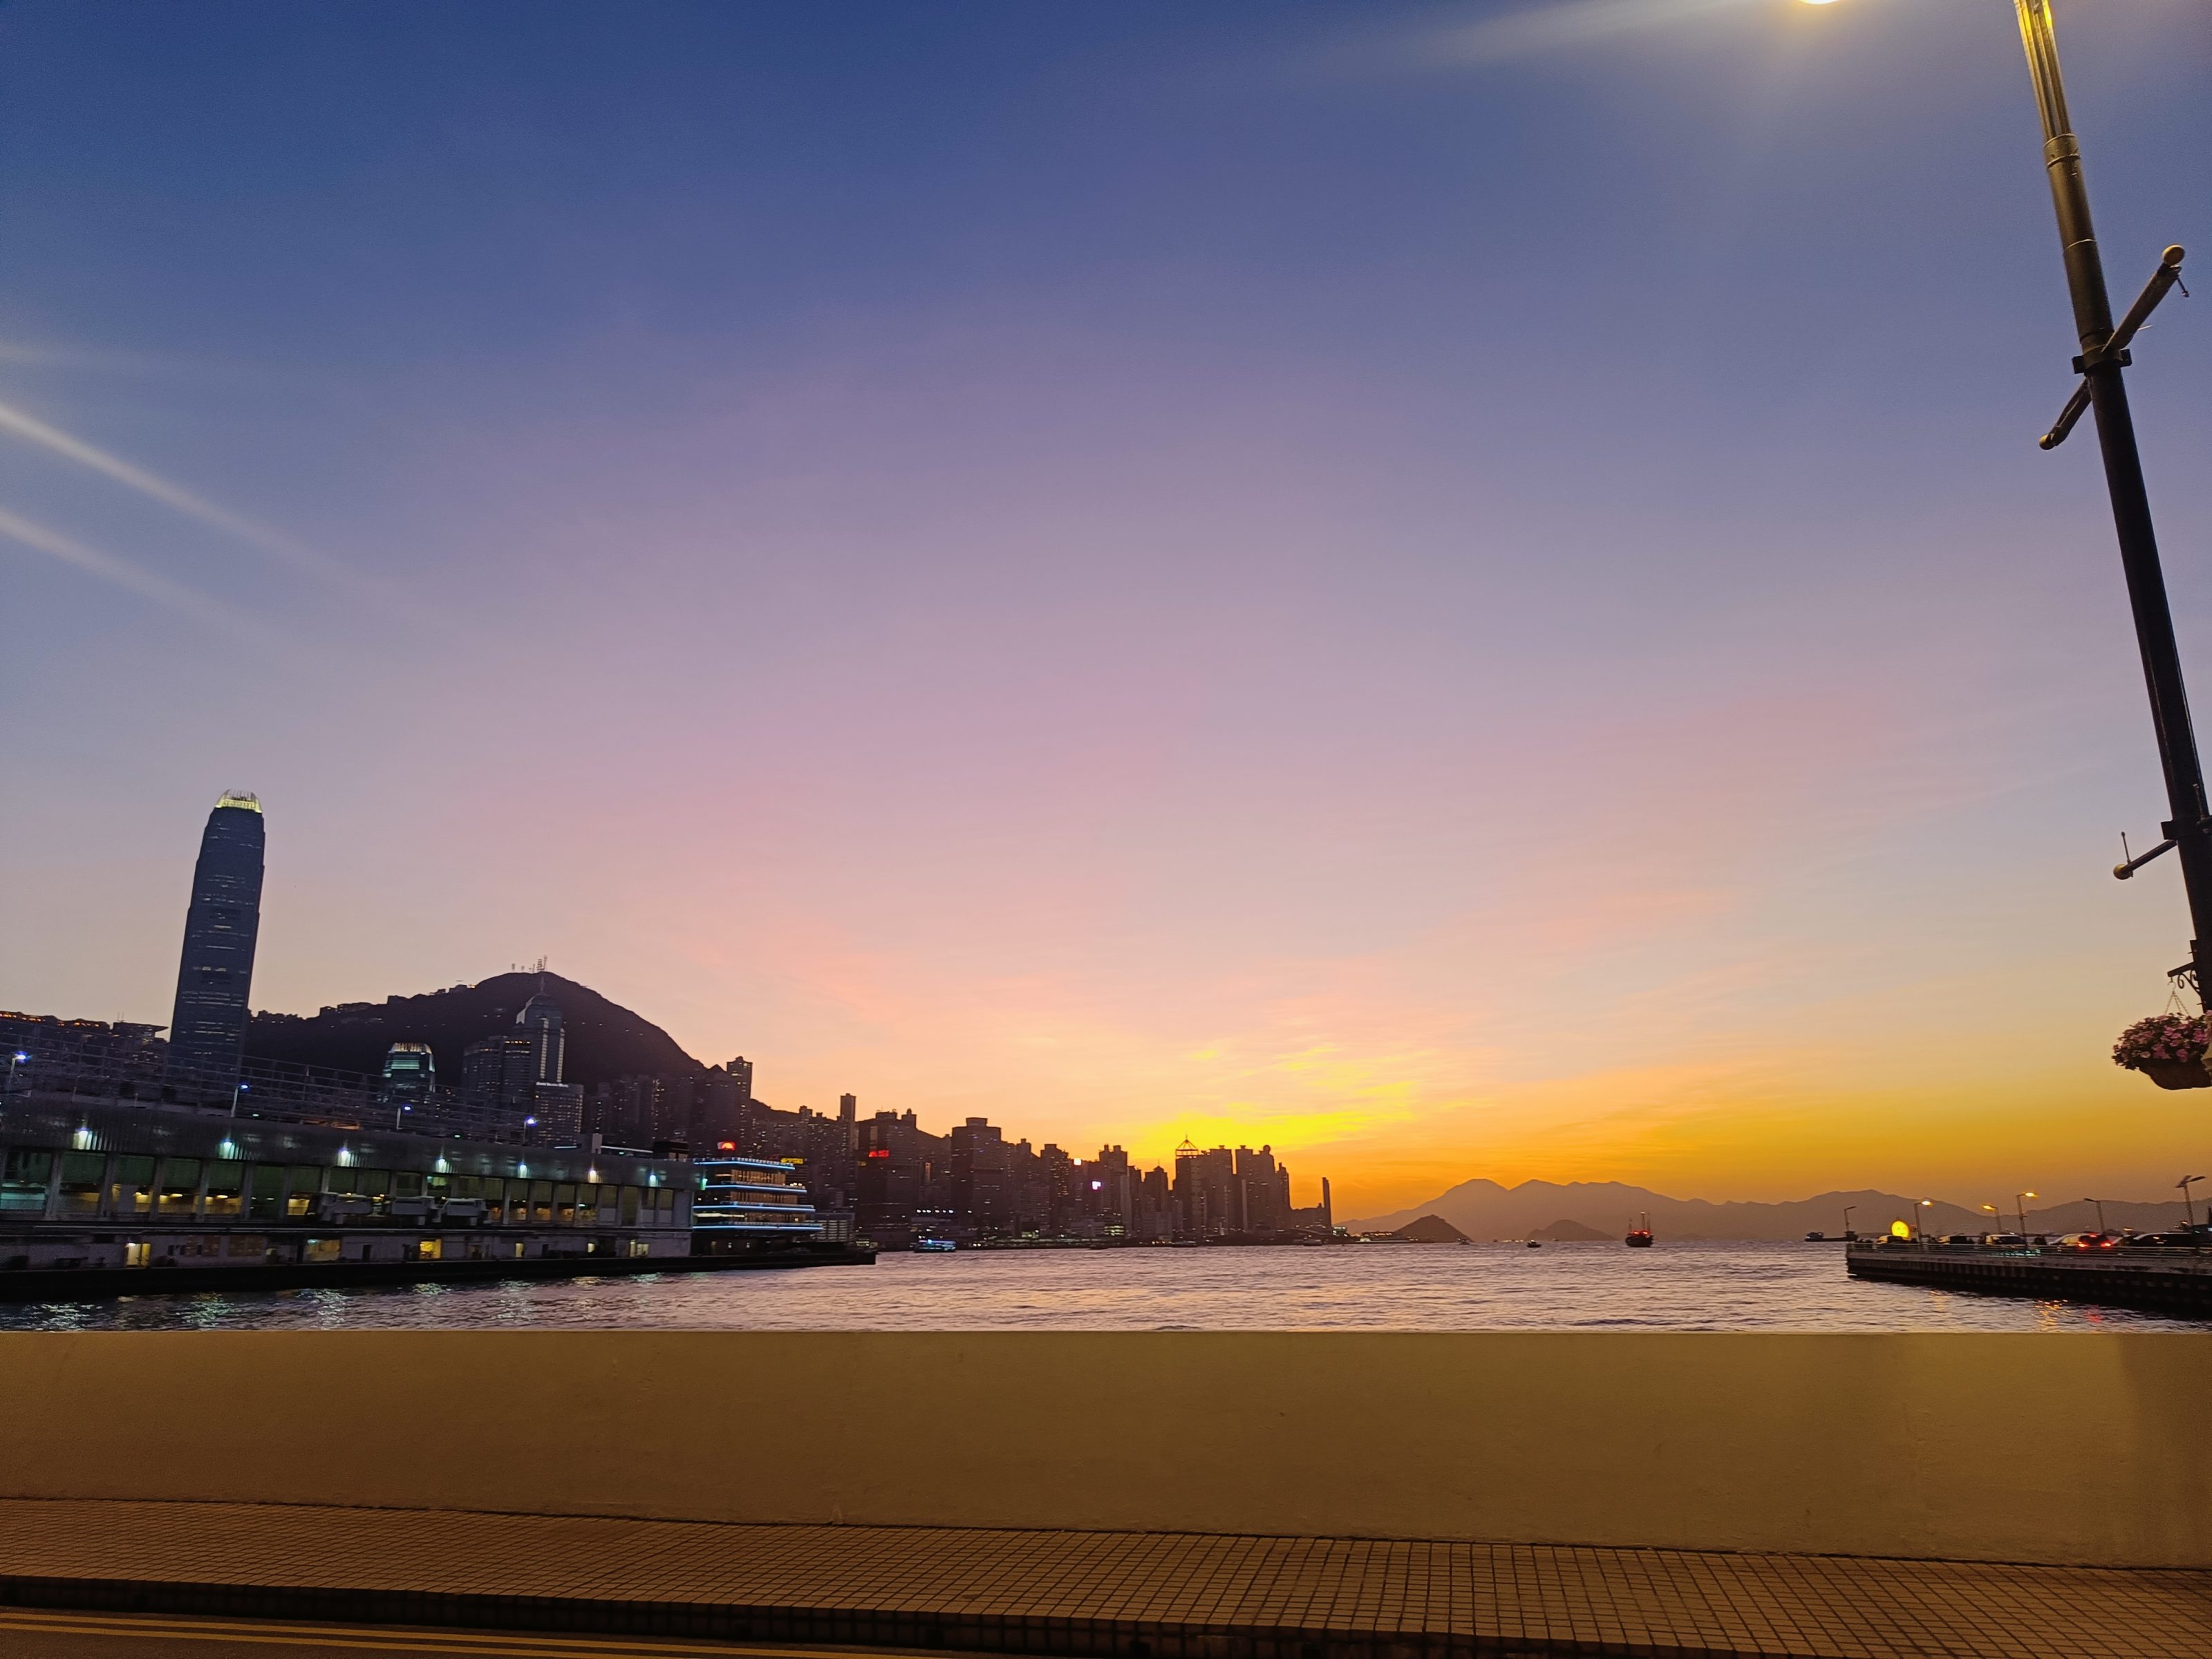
[746,1203]
[1639,1236]
[934,1246]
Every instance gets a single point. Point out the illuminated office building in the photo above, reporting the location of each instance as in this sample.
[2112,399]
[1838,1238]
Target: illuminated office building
[411,1074]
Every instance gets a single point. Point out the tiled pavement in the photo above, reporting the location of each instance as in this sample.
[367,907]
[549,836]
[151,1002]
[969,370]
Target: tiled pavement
[1136,1595]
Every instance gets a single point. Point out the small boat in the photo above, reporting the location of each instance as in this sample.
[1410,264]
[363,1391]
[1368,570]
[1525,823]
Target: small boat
[1639,1236]
[930,1246]
[1816,1238]
[1536,1243]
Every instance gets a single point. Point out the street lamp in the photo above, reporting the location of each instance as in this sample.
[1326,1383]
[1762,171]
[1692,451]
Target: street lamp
[15,1059]
[1925,1204]
[1996,1215]
[2102,391]
[2188,1210]
[2099,1203]
[2021,1198]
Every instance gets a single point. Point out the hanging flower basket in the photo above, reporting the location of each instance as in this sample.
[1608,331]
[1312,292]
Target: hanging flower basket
[2168,1049]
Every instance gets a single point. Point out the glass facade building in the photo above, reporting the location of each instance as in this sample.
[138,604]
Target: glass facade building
[207,1030]
[411,1072]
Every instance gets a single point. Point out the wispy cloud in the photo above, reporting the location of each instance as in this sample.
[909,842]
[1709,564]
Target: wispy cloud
[122,573]
[1547,28]
[1529,32]
[29,355]
[175,496]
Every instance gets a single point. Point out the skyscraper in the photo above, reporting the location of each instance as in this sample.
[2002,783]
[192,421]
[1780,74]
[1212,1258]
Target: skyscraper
[556,1108]
[499,1073]
[540,1021]
[411,1074]
[207,1032]
[979,1172]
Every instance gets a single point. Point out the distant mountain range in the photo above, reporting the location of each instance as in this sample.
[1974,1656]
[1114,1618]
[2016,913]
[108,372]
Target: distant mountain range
[1485,1210]
[605,1040]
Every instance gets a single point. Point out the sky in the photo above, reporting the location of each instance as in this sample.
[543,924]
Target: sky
[1461,589]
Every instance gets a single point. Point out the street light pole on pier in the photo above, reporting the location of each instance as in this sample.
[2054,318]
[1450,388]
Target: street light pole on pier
[2104,392]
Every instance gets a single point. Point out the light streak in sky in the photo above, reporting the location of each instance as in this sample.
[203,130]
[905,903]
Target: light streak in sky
[174,497]
[110,567]
[1547,28]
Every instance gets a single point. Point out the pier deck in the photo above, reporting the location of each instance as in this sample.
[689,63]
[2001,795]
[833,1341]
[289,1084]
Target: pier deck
[1134,1596]
[2171,1280]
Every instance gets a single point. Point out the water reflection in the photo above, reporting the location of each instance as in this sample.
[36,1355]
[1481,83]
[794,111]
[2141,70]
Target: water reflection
[1678,1287]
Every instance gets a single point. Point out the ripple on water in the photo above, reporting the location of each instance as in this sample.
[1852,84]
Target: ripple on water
[1679,1287]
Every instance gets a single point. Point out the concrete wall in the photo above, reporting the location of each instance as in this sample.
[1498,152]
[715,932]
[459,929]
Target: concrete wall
[2057,1449]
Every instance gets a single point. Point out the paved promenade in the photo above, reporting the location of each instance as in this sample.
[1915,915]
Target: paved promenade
[1134,1596]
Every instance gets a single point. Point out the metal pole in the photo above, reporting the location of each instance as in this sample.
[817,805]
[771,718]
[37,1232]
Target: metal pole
[2116,436]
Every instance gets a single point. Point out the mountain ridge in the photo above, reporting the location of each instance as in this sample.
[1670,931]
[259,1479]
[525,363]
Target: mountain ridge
[1483,1209]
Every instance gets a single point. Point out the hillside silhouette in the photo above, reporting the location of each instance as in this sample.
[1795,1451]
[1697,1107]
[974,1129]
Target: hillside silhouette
[1483,1210]
[605,1039]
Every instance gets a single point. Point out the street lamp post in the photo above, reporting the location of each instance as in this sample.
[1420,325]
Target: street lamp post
[2021,1199]
[2103,391]
[2188,1209]
[2099,1203]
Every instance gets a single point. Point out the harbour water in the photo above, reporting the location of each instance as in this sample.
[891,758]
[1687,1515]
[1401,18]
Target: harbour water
[1674,1287]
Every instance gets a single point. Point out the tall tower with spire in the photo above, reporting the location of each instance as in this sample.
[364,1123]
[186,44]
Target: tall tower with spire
[540,1022]
[207,1032]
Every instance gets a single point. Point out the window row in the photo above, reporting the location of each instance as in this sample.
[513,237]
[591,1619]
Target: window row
[125,1185]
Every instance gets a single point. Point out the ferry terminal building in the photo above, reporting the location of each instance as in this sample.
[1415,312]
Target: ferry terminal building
[113,1184]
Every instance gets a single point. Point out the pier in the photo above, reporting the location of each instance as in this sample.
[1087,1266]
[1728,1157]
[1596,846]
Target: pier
[2169,1278]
